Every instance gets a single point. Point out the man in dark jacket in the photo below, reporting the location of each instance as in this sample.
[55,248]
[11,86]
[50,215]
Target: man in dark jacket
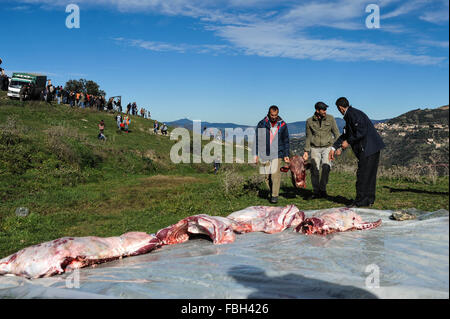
[271,146]
[366,143]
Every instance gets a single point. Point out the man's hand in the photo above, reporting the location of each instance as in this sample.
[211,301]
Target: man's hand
[287,160]
[255,160]
[331,155]
[305,156]
[345,145]
[338,152]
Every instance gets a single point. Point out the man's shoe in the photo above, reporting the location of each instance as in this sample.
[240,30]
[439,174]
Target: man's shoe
[323,194]
[274,200]
[359,204]
[316,196]
[352,205]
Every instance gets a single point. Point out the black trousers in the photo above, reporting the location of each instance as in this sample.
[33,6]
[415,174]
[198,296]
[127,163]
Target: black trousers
[366,178]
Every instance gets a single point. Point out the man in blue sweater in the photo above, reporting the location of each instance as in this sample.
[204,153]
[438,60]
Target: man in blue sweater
[271,147]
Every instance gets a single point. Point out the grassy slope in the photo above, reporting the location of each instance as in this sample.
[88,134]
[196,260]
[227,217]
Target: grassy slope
[128,183]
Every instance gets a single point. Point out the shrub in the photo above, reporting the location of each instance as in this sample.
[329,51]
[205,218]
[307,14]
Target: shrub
[16,150]
[236,185]
[202,168]
[61,149]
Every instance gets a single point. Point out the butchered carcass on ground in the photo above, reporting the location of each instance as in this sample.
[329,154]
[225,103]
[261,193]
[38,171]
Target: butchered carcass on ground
[221,230]
[268,219]
[65,254]
[334,220]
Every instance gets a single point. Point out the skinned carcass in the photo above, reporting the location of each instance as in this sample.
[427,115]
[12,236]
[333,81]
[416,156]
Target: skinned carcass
[268,219]
[334,220]
[221,230]
[65,254]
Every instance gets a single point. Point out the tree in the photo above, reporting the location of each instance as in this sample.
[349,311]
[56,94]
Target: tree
[74,85]
[92,87]
[84,86]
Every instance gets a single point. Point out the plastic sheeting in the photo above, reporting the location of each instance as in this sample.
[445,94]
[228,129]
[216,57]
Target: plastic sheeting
[408,259]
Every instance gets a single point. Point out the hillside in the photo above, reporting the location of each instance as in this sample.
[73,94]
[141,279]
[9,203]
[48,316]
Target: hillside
[419,137]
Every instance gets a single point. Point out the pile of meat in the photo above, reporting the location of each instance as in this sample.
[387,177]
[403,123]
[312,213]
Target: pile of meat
[66,254]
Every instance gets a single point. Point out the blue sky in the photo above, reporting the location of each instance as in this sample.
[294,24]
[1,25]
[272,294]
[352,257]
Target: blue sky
[229,60]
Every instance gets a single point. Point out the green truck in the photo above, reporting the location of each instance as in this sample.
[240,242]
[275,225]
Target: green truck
[36,83]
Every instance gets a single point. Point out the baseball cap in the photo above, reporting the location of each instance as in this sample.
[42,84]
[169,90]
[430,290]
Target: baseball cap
[321,106]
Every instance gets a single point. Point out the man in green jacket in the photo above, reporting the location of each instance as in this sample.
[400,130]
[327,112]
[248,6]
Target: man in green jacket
[321,133]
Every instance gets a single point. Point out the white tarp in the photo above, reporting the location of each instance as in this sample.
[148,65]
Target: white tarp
[409,259]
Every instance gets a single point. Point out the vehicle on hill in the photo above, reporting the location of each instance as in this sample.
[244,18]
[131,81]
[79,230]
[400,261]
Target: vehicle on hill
[36,83]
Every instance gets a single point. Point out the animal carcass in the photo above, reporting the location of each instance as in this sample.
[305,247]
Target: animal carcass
[334,220]
[64,254]
[268,219]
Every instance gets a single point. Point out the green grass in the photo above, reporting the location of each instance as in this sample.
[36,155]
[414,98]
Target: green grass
[74,185]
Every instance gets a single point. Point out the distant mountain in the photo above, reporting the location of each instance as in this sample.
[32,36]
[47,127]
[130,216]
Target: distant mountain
[299,128]
[221,126]
[296,129]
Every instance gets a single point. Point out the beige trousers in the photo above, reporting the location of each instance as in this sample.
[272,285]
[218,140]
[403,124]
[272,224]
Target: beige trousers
[271,170]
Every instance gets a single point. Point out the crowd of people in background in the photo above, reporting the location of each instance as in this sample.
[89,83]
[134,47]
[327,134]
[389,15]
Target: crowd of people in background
[79,99]
[61,95]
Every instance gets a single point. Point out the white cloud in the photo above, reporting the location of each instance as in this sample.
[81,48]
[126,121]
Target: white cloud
[407,7]
[20,8]
[436,11]
[433,43]
[158,46]
[342,14]
[275,40]
[435,16]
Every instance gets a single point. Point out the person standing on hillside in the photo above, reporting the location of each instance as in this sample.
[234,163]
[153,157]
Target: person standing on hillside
[101,128]
[217,162]
[119,121]
[24,92]
[366,143]
[77,99]
[272,136]
[58,94]
[4,82]
[88,100]
[119,105]
[71,99]
[50,91]
[82,100]
[126,122]
[321,132]
[164,129]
